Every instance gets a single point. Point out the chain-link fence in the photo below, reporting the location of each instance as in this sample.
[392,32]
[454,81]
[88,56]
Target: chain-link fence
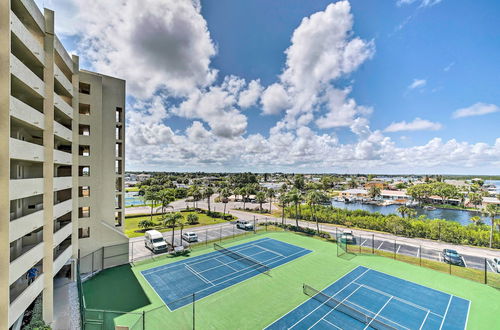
[474,268]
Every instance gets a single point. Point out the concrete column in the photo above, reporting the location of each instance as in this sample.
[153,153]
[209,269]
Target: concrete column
[4,162]
[74,168]
[48,168]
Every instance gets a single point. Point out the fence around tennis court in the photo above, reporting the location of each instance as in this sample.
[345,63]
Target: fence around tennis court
[478,269]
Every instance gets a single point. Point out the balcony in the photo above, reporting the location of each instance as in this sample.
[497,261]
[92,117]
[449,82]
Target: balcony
[61,209]
[26,114]
[34,12]
[25,150]
[63,132]
[63,53]
[64,182]
[62,234]
[25,225]
[22,188]
[20,265]
[62,258]
[26,37]
[60,104]
[21,302]
[23,73]
[63,80]
[61,157]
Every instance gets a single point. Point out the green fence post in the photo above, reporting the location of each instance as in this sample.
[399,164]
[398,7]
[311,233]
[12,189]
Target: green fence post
[395,249]
[373,243]
[359,244]
[102,258]
[143,320]
[485,271]
[194,319]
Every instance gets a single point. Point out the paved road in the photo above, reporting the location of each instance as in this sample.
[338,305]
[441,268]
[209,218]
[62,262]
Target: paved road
[427,249]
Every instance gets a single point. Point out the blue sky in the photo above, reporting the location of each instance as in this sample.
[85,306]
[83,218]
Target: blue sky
[381,86]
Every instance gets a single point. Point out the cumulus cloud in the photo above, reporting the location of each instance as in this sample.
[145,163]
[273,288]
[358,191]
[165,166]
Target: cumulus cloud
[477,109]
[417,124]
[274,99]
[417,83]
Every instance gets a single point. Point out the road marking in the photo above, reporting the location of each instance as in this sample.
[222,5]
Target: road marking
[444,317]
[397,251]
[488,263]
[465,264]
[380,245]
[363,243]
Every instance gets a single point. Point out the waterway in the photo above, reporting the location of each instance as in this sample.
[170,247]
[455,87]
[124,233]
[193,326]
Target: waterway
[461,216]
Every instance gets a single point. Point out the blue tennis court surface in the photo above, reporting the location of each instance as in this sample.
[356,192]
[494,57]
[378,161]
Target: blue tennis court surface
[214,271]
[368,299]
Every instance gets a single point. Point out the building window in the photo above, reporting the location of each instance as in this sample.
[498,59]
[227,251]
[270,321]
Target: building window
[118,184]
[84,88]
[84,212]
[118,202]
[118,219]
[119,113]
[84,109]
[84,151]
[84,171]
[118,166]
[84,130]
[118,151]
[118,133]
[83,232]
[84,191]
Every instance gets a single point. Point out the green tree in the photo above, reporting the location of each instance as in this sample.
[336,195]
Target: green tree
[299,182]
[171,220]
[192,218]
[373,192]
[270,194]
[284,199]
[475,199]
[260,197]
[207,193]
[491,210]
[152,196]
[145,224]
[224,194]
[314,198]
[165,197]
[476,220]
[295,197]
[403,210]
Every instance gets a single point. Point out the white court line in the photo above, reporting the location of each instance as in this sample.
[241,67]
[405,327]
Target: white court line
[425,319]
[274,252]
[224,263]
[444,317]
[227,264]
[380,245]
[340,303]
[198,275]
[345,286]
[361,245]
[325,320]
[378,313]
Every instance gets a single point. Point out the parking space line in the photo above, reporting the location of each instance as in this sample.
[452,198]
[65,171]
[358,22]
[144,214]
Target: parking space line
[380,245]
[465,264]
[397,251]
[363,243]
[489,265]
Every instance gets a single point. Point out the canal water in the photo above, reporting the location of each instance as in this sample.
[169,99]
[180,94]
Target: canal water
[461,216]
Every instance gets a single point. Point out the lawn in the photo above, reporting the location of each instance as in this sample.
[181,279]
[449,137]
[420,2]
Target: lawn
[131,223]
[130,189]
[266,298]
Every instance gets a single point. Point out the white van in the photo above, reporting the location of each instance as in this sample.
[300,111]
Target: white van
[154,241]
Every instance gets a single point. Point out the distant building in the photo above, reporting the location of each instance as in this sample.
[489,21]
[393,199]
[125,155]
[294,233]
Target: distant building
[142,177]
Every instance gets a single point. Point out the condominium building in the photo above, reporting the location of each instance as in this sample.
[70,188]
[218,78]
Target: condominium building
[53,130]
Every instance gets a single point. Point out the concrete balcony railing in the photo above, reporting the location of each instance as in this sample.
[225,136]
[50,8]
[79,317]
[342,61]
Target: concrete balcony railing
[34,12]
[26,37]
[63,80]
[25,225]
[62,258]
[63,208]
[63,53]
[63,132]
[60,104]
[62,234]
[20,265]
[63,182]
[21,303]
[23,73]
[25,150]
[25,113]
[61,157]
[22,188]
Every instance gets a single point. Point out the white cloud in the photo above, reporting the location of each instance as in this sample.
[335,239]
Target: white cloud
[250,96]
[274,99]
[477,109]
[417,83]
[417,124]
[423,3]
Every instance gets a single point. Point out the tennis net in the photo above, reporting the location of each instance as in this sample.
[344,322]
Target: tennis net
[243,258]
[352,310]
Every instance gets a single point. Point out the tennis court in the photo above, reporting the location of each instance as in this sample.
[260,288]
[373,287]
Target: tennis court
[368,299]
[203,275]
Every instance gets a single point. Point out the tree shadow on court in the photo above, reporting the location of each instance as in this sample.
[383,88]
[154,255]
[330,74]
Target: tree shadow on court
[115,289]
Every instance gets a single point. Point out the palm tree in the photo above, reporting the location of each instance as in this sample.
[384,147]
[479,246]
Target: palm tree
[260,197]
[313,198]
[165,197]
[194,192]
[374,192]
[270,194]
[192,218]
[411,212]
[476,220]
[295,197]
[225,193]
[236,193]
[145,224]
[171,220]
[207,193]
[403,210]
[284,200]
[491,210]
[244,195]
[152,196]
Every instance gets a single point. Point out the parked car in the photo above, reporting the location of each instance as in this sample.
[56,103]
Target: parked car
[453,257]
[189,236]
[347,237]
[243,224]
[496,264]
[154,241]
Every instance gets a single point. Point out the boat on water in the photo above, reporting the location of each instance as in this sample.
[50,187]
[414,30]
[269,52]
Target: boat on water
[411,203]
[429,208]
